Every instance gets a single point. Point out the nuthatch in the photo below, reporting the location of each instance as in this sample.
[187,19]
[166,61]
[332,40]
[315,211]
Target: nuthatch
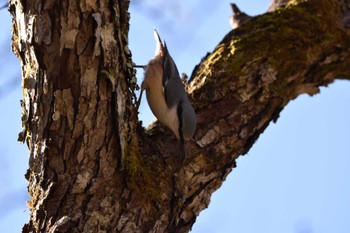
[166,94]
[238,18]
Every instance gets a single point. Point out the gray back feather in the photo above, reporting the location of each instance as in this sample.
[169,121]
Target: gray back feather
[173,87]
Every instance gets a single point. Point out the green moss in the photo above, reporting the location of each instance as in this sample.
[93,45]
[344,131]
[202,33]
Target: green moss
[278,39]
[295,2]
[131,163]
[143,175]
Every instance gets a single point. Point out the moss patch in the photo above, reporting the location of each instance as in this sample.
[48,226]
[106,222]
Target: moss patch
[282,39]
[286,40]
[147,181]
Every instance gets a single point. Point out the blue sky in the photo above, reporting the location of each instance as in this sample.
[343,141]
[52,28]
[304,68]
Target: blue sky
[295,179]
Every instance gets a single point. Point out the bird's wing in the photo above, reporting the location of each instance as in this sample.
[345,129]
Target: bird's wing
[173,87]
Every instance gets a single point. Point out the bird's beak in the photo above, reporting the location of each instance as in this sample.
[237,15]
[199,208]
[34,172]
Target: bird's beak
[159,46]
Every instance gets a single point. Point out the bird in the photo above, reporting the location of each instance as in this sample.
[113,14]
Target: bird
[238,18]
[166,95]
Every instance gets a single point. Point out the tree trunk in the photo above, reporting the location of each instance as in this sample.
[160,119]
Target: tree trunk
[93,168]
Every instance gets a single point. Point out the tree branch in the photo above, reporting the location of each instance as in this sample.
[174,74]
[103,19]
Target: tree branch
[242,86]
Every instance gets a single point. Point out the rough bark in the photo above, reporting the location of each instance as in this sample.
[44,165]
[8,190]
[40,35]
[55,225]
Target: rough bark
[93,168]
[77,111]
